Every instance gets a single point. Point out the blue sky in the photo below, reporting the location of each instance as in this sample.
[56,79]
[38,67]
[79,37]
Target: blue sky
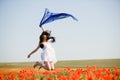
[95,36]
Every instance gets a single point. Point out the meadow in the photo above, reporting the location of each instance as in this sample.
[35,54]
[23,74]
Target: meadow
[106,63]
[107,69]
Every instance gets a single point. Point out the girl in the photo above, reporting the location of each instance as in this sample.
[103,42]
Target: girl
[48,55]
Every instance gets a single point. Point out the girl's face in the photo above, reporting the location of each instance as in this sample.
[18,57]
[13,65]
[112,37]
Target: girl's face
[44,37]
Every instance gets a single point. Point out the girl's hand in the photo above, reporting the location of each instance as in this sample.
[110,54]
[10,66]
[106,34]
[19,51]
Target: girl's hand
[29,56]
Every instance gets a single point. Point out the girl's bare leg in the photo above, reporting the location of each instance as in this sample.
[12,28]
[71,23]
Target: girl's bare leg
[52,65]
[47,66]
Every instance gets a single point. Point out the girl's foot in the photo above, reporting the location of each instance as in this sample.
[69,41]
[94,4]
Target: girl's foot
[40,67]
[37,64]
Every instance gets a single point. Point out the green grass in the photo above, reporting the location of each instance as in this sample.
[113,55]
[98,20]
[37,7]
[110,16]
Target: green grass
[107,63]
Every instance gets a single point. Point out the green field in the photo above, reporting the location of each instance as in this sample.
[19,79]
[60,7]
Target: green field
[107,63]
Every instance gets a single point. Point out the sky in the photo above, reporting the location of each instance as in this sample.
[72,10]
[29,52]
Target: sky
[96,34]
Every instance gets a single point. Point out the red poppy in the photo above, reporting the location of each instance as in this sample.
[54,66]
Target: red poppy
[50,78]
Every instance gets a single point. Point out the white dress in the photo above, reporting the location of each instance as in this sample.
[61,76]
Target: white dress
[48,53]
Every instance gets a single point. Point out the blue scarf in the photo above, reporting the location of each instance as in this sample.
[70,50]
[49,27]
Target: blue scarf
[49,17]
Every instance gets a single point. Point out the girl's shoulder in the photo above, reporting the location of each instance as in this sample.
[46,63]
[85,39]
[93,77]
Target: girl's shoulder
[45,43]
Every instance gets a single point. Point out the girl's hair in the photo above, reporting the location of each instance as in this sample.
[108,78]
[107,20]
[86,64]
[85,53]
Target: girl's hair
[48,38]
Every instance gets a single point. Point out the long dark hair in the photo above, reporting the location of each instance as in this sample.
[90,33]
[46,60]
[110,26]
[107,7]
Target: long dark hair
[49,37]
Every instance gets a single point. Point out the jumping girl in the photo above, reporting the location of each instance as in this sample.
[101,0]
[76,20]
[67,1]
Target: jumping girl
[48,57]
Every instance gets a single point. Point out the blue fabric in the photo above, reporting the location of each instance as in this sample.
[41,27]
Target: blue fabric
[49,17]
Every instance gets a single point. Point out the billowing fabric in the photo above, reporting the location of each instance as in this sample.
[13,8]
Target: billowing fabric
[48,53]
[49,17]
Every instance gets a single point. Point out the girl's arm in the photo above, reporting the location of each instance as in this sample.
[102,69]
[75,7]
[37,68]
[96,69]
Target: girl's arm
[33,51]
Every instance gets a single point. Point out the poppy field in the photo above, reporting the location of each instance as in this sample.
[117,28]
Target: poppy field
[60,73]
